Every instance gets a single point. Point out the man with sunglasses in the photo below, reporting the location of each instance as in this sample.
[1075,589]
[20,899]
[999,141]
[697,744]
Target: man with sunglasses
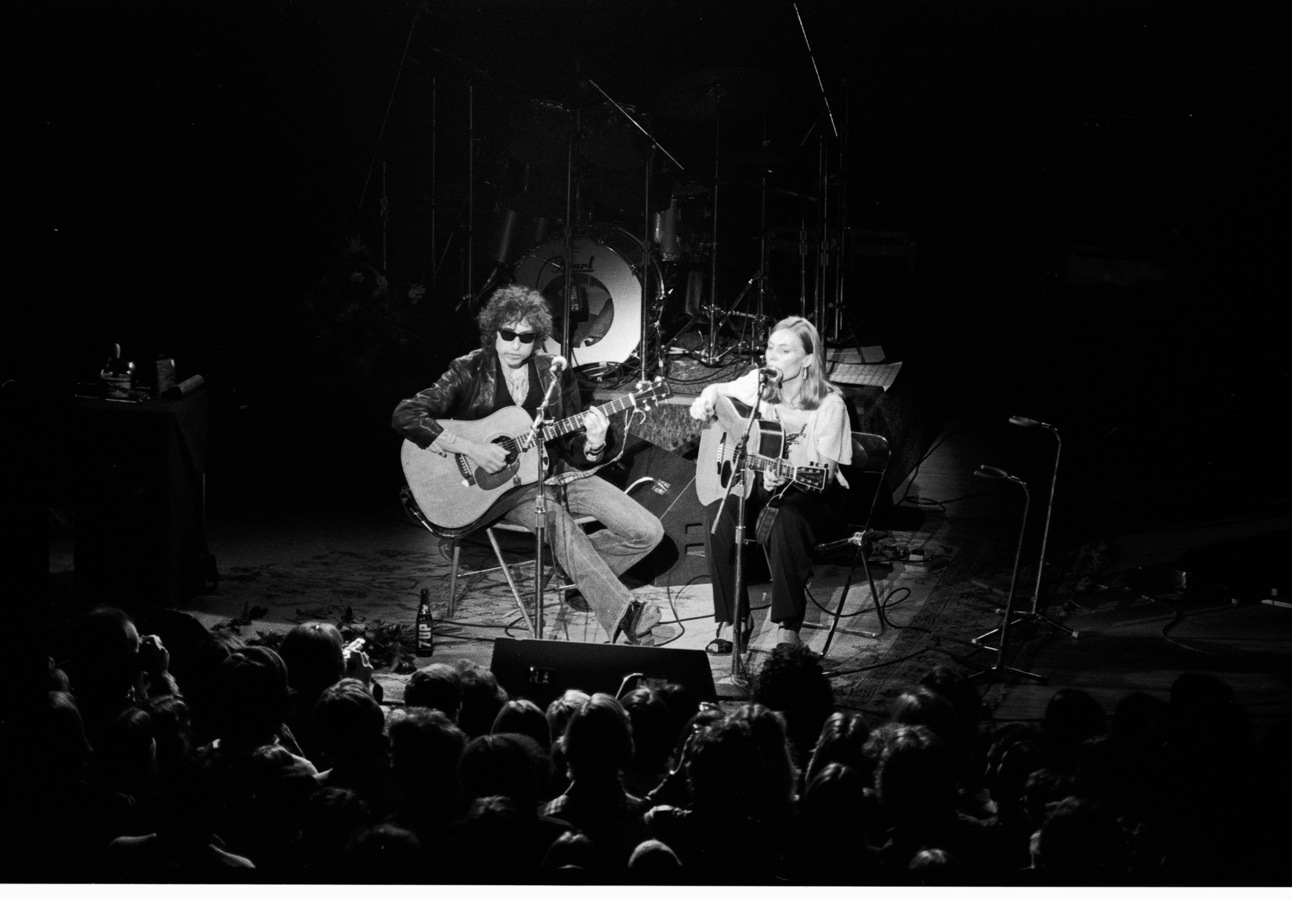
[509,369]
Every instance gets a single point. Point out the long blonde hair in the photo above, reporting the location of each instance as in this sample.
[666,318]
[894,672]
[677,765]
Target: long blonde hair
[815,385]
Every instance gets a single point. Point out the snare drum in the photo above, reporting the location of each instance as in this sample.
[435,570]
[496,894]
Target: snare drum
[606,307]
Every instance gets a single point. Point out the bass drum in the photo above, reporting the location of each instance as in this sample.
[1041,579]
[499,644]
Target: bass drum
[606,306]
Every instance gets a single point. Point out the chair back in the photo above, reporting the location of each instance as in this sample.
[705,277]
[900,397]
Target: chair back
[866,474]
[873,452]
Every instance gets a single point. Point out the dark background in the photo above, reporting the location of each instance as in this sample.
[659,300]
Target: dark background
[182,175]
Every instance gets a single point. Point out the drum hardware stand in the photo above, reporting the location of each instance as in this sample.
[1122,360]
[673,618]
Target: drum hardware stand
[758,320]
[646,302]
[709,355]
[827,313]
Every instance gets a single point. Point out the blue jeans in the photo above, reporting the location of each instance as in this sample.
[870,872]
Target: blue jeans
[595,562]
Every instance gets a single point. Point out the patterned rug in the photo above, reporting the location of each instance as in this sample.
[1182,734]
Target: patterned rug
[934,609]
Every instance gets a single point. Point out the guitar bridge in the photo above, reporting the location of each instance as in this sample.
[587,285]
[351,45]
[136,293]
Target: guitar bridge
[468,477]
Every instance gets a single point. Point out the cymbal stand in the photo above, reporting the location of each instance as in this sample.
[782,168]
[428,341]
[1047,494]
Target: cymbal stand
[567,247]
[757,320]
[646,304]
[709,355]
[828,310]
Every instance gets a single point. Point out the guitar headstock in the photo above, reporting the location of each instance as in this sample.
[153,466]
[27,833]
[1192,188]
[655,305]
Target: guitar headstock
[811,478]
[649,393]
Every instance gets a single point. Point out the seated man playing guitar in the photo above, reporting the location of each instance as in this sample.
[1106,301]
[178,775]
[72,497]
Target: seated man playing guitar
[507,373]
[800,439]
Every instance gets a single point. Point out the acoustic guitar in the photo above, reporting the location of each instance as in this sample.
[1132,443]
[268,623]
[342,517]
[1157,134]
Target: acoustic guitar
[719,462]
[454,495]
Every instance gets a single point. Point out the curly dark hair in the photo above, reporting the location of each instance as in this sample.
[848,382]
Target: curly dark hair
[514,303]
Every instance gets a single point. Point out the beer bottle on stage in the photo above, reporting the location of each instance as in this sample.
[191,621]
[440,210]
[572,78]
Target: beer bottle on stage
[425,634]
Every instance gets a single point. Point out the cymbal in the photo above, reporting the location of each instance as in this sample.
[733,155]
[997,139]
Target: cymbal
[779,192]
[690,190]
[701,96]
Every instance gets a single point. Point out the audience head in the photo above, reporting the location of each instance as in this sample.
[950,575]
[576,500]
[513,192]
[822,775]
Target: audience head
[923,706]
[832,811]
[57,752]
[482,697]
[1080,843]
[959,692]
[314,655]
[1043,788]
[917,779]
[654,862]
[653,728]
[172,730]
[384,854]
[724,763]
[792,682]
[559,710]
[779,777]
[425,749]
[105,653]
[842,740]
[598,740]
[935,867]
[333,815]
[523,716]
[1071,717]
[252,696]
[351,724]
[437,686]
[506,765]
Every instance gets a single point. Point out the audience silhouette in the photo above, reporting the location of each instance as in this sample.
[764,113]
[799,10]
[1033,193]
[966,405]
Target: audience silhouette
[245,764]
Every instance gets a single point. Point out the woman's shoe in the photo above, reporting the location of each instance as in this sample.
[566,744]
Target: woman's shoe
[787,638]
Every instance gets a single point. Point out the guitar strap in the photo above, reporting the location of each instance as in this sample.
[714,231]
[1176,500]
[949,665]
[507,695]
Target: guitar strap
[573,475]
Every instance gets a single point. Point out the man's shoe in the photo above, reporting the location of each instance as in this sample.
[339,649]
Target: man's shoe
[637,622]
[576,601]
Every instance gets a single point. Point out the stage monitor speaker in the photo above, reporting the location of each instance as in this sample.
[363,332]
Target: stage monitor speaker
[664,483]
[543,670]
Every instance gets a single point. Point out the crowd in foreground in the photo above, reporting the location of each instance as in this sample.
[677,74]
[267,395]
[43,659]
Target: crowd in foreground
[237,763]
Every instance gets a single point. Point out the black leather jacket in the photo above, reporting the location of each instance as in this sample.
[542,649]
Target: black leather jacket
[467,391]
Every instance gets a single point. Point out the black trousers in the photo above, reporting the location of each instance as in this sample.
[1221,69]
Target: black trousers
[802,521]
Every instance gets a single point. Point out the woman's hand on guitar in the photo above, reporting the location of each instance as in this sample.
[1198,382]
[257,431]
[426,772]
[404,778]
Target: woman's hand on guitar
[772,481]
[702,406]
[595,424]
[490,457]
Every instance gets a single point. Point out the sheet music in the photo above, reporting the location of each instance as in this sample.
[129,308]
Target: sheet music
[846,365]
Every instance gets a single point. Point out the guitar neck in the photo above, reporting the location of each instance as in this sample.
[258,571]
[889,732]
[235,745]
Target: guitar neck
[561,427]
[781,468]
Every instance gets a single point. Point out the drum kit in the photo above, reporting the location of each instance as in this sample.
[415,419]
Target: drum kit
[600,217]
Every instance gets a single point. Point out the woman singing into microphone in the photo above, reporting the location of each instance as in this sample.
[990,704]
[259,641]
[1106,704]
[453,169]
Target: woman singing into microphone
[811,417]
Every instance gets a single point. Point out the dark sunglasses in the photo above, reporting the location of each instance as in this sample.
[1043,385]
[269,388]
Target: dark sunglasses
[526,337]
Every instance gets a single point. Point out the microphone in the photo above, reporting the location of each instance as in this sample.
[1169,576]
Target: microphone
[771,373]
[990,472]
[559,364]
[1025,422]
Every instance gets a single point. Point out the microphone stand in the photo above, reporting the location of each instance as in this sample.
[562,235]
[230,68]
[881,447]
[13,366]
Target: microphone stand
[646,224]
[998,668]
[540,498]
[1035,614]
[739,675]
